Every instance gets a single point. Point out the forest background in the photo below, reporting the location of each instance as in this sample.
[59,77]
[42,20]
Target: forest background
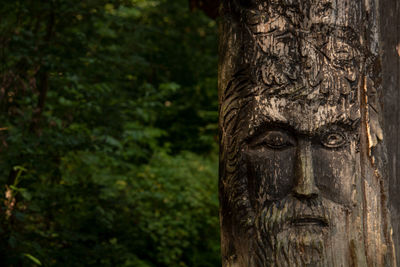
[108,134]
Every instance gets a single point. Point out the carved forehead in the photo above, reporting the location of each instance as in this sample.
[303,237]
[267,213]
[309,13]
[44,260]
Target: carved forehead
[301,116]
[302,56]
[308,18]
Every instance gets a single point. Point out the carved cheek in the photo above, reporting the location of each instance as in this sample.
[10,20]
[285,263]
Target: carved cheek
[270,173]
[334,172]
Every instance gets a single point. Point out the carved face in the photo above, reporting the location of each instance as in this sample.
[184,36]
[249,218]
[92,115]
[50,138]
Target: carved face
[295,173]
[301,170]
[294,149]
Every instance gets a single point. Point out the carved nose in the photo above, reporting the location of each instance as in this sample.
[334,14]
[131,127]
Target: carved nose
[305,184]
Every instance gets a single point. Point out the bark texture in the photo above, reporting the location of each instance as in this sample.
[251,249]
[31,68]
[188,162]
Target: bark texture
[390,36]
[303,166]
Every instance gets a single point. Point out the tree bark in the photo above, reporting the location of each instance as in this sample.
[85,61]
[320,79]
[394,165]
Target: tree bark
[303,165]
[390,37]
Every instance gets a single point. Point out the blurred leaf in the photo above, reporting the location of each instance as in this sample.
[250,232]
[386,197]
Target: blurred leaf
[33,259]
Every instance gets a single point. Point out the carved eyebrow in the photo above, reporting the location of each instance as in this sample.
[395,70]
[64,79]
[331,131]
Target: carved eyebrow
[269,124]
[260,128]
[343,123]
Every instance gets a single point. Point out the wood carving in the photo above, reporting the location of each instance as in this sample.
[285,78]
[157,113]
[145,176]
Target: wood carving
[302,164]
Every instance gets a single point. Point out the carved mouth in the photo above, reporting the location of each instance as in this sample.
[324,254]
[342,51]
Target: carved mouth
[307,221]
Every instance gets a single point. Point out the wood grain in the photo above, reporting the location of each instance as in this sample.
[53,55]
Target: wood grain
[390,34]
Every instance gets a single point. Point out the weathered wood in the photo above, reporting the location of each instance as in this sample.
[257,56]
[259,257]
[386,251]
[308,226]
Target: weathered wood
[390,34]
[303,169]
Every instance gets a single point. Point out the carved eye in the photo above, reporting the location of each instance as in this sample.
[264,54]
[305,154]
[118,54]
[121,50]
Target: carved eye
[275,140]
[333,139]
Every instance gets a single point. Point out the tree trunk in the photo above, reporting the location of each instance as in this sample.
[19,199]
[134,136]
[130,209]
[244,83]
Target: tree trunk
[390,34]
[303,163]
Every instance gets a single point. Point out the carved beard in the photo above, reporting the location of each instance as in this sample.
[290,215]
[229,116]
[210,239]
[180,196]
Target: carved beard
[293,232]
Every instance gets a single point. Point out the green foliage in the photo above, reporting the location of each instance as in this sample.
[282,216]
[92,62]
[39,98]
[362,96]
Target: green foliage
[107,134]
